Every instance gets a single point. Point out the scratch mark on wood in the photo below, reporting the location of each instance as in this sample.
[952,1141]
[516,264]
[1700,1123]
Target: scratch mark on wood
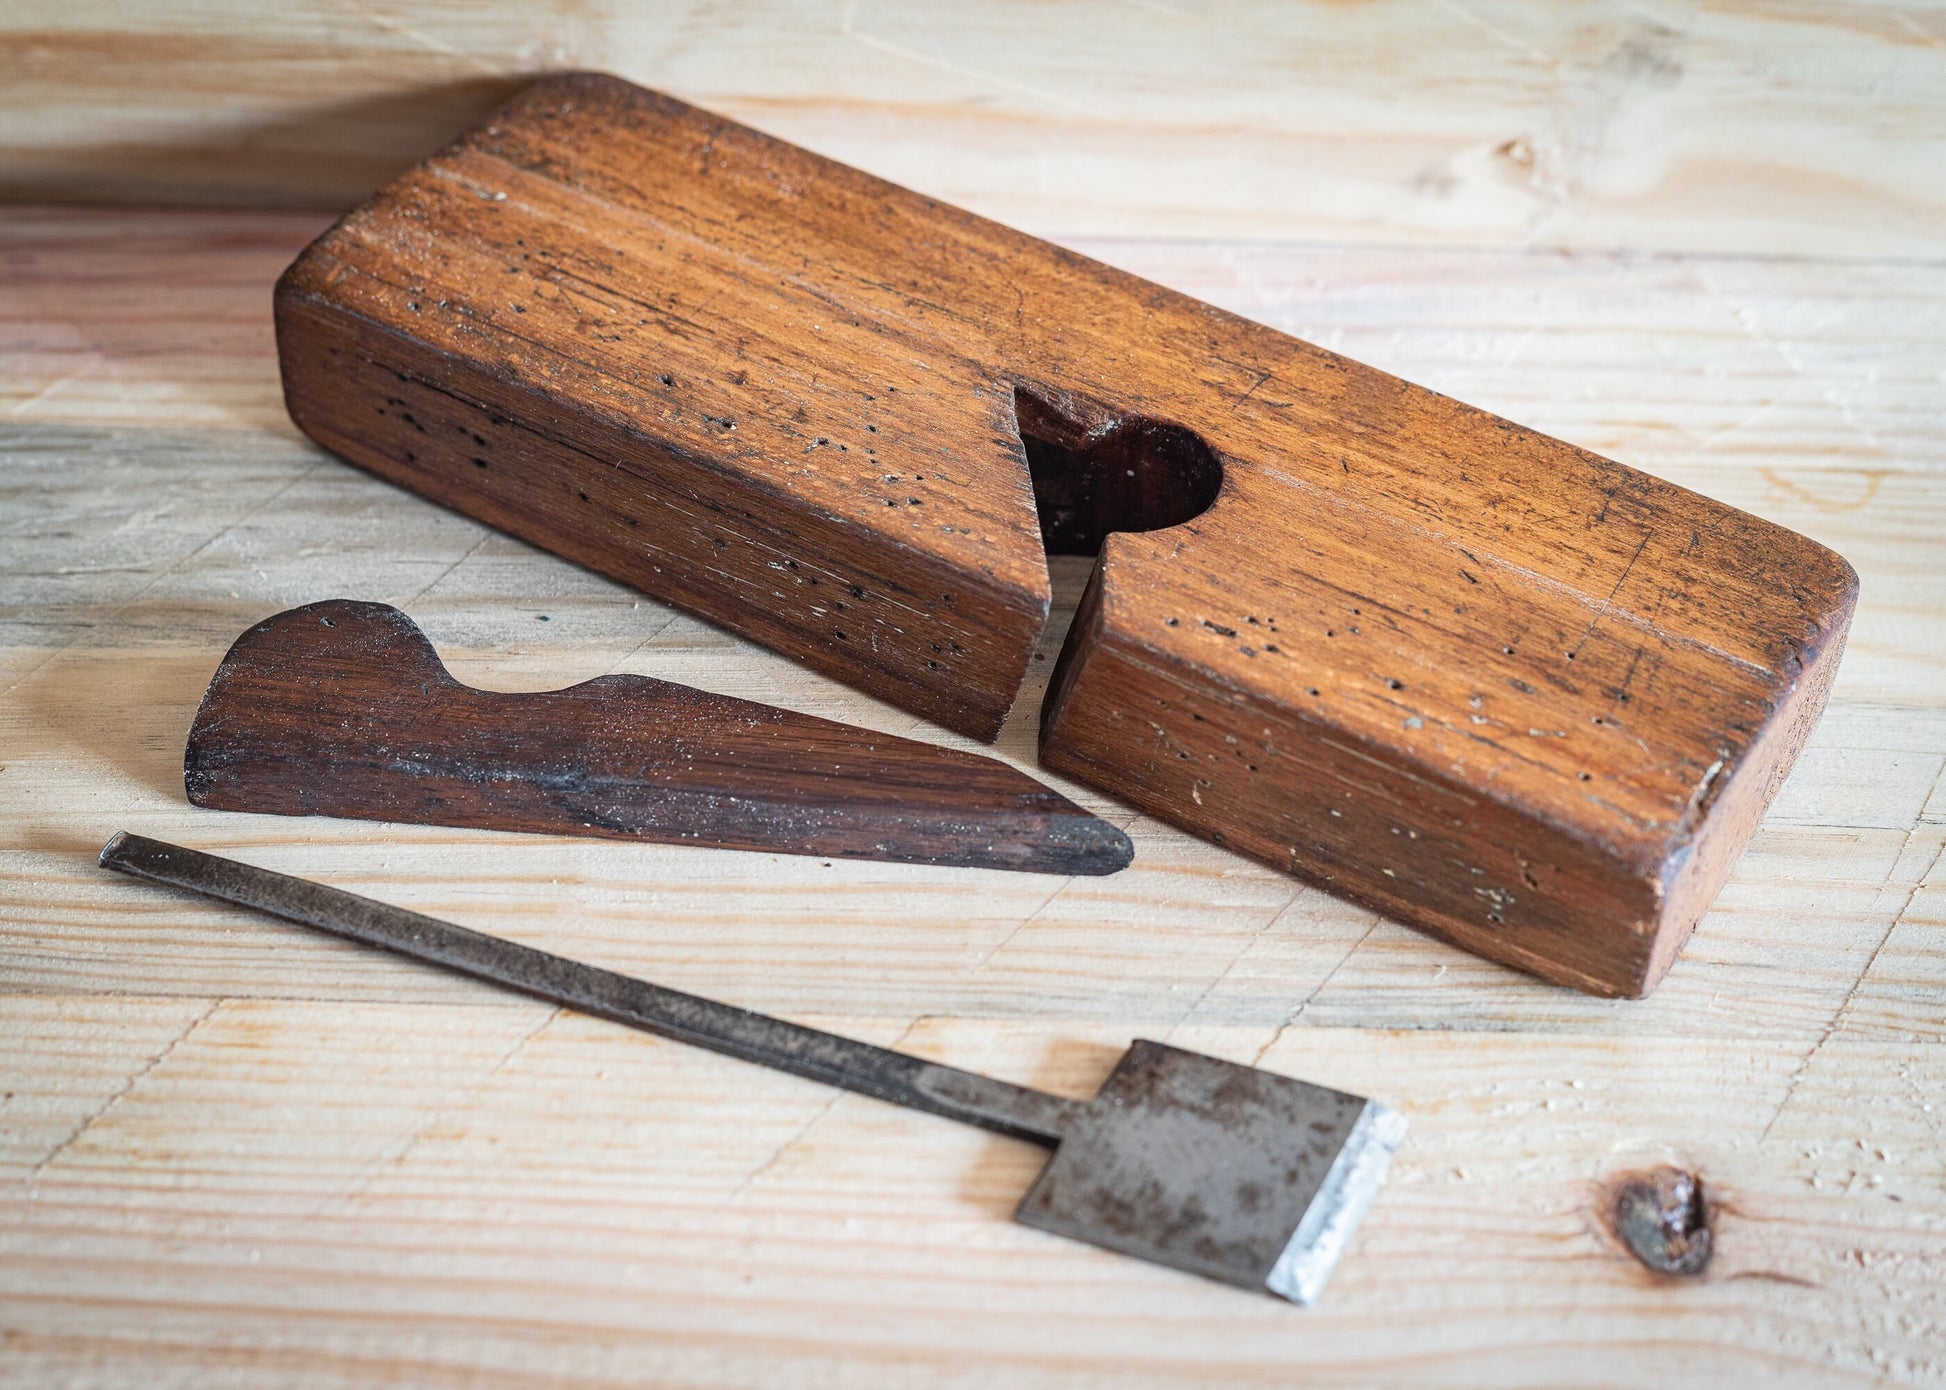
[1844,1007]
[88,1121]
[463,1095]
[831,1100]
[1602,612]
[1298,1013]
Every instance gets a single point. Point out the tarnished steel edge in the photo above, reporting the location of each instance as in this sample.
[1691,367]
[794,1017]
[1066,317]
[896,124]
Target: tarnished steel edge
[1315,1247]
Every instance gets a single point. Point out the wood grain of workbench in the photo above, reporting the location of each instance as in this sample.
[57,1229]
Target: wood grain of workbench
[1783,126]
[235,1154]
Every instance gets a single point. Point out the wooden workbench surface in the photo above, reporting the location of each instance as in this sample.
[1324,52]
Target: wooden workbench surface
[232,1153]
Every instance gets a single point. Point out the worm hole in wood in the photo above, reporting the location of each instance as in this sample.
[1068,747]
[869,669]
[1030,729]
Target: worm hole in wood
[1096,471]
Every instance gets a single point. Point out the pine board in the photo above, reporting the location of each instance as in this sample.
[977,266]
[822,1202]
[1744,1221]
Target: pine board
[1765,126]
[232,1154]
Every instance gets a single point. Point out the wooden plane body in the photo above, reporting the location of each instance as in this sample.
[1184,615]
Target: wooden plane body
[1493,685]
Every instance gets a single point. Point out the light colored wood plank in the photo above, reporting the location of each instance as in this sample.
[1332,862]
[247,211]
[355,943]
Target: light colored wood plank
[1772,126]
[270,1159]
[93,311]
[714,1223]
[69,1060]
[1902,993]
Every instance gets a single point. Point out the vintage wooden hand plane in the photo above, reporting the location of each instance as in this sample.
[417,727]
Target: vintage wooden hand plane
[1488,683]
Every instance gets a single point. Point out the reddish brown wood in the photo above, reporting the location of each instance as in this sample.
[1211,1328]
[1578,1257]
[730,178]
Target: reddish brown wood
[344,709]
[1486,682]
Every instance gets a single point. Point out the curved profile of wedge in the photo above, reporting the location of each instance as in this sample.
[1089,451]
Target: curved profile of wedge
[344,709]
[1496,686]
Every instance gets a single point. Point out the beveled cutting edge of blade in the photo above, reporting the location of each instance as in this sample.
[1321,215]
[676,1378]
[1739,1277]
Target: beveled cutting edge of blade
[1320,1239]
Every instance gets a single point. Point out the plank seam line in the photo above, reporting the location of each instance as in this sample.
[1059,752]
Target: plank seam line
[109,1104]
[1025,922]
[1844,1007]
[22,407]
[487,533]
[810,1124]
[364,1175]
[1290,1021]
[675,617]
[1242,951]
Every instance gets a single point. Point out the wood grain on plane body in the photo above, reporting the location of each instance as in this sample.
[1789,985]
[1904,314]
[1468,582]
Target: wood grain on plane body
[1491,684]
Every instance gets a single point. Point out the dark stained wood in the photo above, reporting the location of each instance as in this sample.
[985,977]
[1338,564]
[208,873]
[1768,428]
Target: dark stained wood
[343,709]
[1486,682]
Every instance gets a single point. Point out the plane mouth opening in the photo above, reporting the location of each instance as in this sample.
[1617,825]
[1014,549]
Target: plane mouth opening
[1097,471]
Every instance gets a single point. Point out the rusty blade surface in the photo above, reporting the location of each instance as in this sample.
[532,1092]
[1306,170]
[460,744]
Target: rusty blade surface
[344,709]
[1204,1165]
[1224,1170]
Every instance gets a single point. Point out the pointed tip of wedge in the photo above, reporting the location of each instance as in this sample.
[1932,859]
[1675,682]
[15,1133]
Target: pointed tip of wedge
[1065,841]
[1094,847]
